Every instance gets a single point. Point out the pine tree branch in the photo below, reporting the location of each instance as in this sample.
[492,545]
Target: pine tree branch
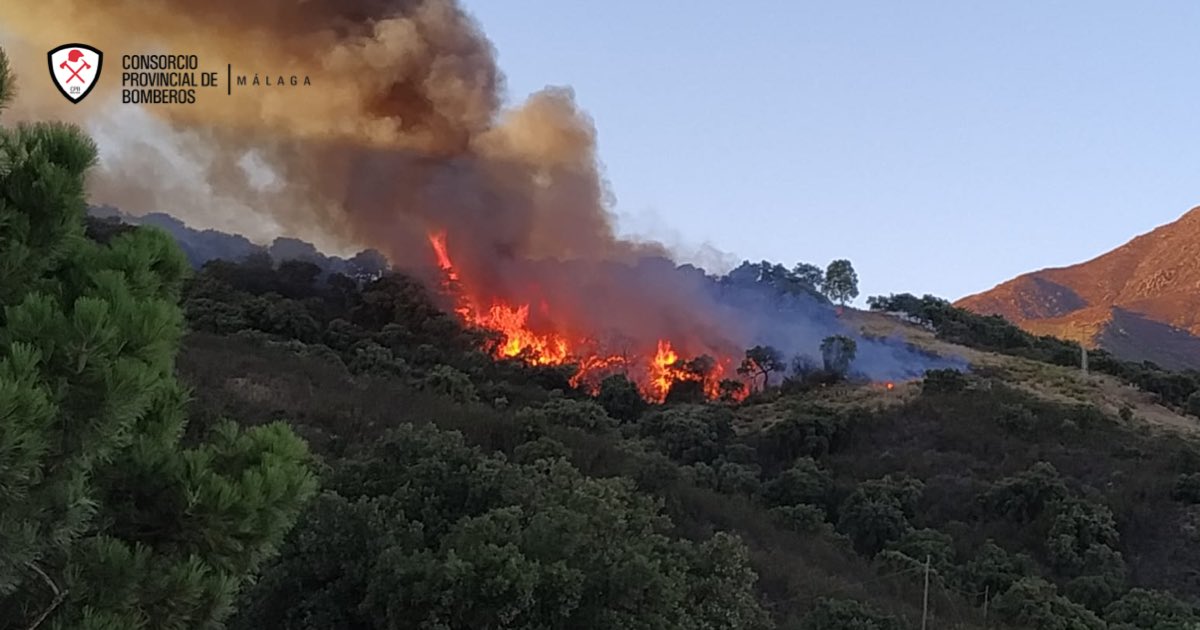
[59,596]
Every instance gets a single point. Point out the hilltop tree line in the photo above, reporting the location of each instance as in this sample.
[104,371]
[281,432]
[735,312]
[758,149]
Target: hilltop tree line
[838,282]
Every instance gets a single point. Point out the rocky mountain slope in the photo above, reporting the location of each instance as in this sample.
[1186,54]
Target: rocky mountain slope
[1140,301]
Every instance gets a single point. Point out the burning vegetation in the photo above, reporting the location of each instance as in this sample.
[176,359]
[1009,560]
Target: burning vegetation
[655,367]
[404,143]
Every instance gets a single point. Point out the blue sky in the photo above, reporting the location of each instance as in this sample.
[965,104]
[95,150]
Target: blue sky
[943,146]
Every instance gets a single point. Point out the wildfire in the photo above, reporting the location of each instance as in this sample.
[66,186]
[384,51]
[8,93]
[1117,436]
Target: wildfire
[519,341]
[664,370]
[655,373]
[438,241]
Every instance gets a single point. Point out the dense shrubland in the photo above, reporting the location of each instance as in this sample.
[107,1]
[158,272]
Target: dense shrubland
[1055,515]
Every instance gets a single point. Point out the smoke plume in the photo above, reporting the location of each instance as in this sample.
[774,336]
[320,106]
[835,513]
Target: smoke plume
[401,130]
[401,134]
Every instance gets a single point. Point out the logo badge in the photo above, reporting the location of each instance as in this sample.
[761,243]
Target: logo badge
[75,69]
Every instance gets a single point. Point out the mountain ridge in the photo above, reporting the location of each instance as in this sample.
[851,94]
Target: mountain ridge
[1140,300]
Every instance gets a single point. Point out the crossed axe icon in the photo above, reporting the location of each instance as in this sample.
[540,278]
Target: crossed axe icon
[75,55]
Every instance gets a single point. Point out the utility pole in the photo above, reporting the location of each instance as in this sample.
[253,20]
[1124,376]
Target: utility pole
[986,592]
[1083,357]
[925,603]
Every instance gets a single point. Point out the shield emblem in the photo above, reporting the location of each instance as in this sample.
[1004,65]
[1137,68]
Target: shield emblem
[75,69]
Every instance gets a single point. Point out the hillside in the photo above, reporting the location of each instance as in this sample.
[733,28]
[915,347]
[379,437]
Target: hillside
[1056,496]
[452,486]
[1140,301]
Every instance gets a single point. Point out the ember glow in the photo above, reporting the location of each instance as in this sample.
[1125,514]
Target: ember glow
[655,369]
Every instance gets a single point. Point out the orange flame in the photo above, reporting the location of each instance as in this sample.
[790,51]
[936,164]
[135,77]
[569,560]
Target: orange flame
[664,370]
[438,241]
[519,341]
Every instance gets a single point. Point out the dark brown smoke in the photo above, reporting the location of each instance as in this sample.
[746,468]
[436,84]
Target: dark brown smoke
[401,132]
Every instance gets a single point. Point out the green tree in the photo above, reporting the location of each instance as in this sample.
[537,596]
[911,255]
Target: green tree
[1024,496]
[1032,602]
[106,520]
[810,276]
[841,282]
[804,483]
[877,513]
[945,381]
[919,544]
[620,398]
[762,361]
[426,532]
[1143,609]
[565,412]
[1187,488]
[991,567]
[848,614]
[449,382]
[689,433]
[837,353]
[1082,537]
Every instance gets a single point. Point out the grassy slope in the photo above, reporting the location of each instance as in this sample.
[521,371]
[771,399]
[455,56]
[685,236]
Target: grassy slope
[1049,382]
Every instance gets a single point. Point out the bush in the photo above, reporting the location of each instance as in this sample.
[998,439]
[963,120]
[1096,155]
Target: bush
[1032,602]
[803,433]
[1094,591]
[371,358]
[541,448]
[215,316]
[920,544]
[620,398]
[1143,609]
[1018,419]
[1081,539]
[728,477]
[993,569]
[1023,497]
[947,381]
[652,471]
[449,382]
[871,523]
[804,483]
[1187,488]
[341,335]
[289,318]
[877,512]
[848,614]
[565,412]
[801,518]
[689,433]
